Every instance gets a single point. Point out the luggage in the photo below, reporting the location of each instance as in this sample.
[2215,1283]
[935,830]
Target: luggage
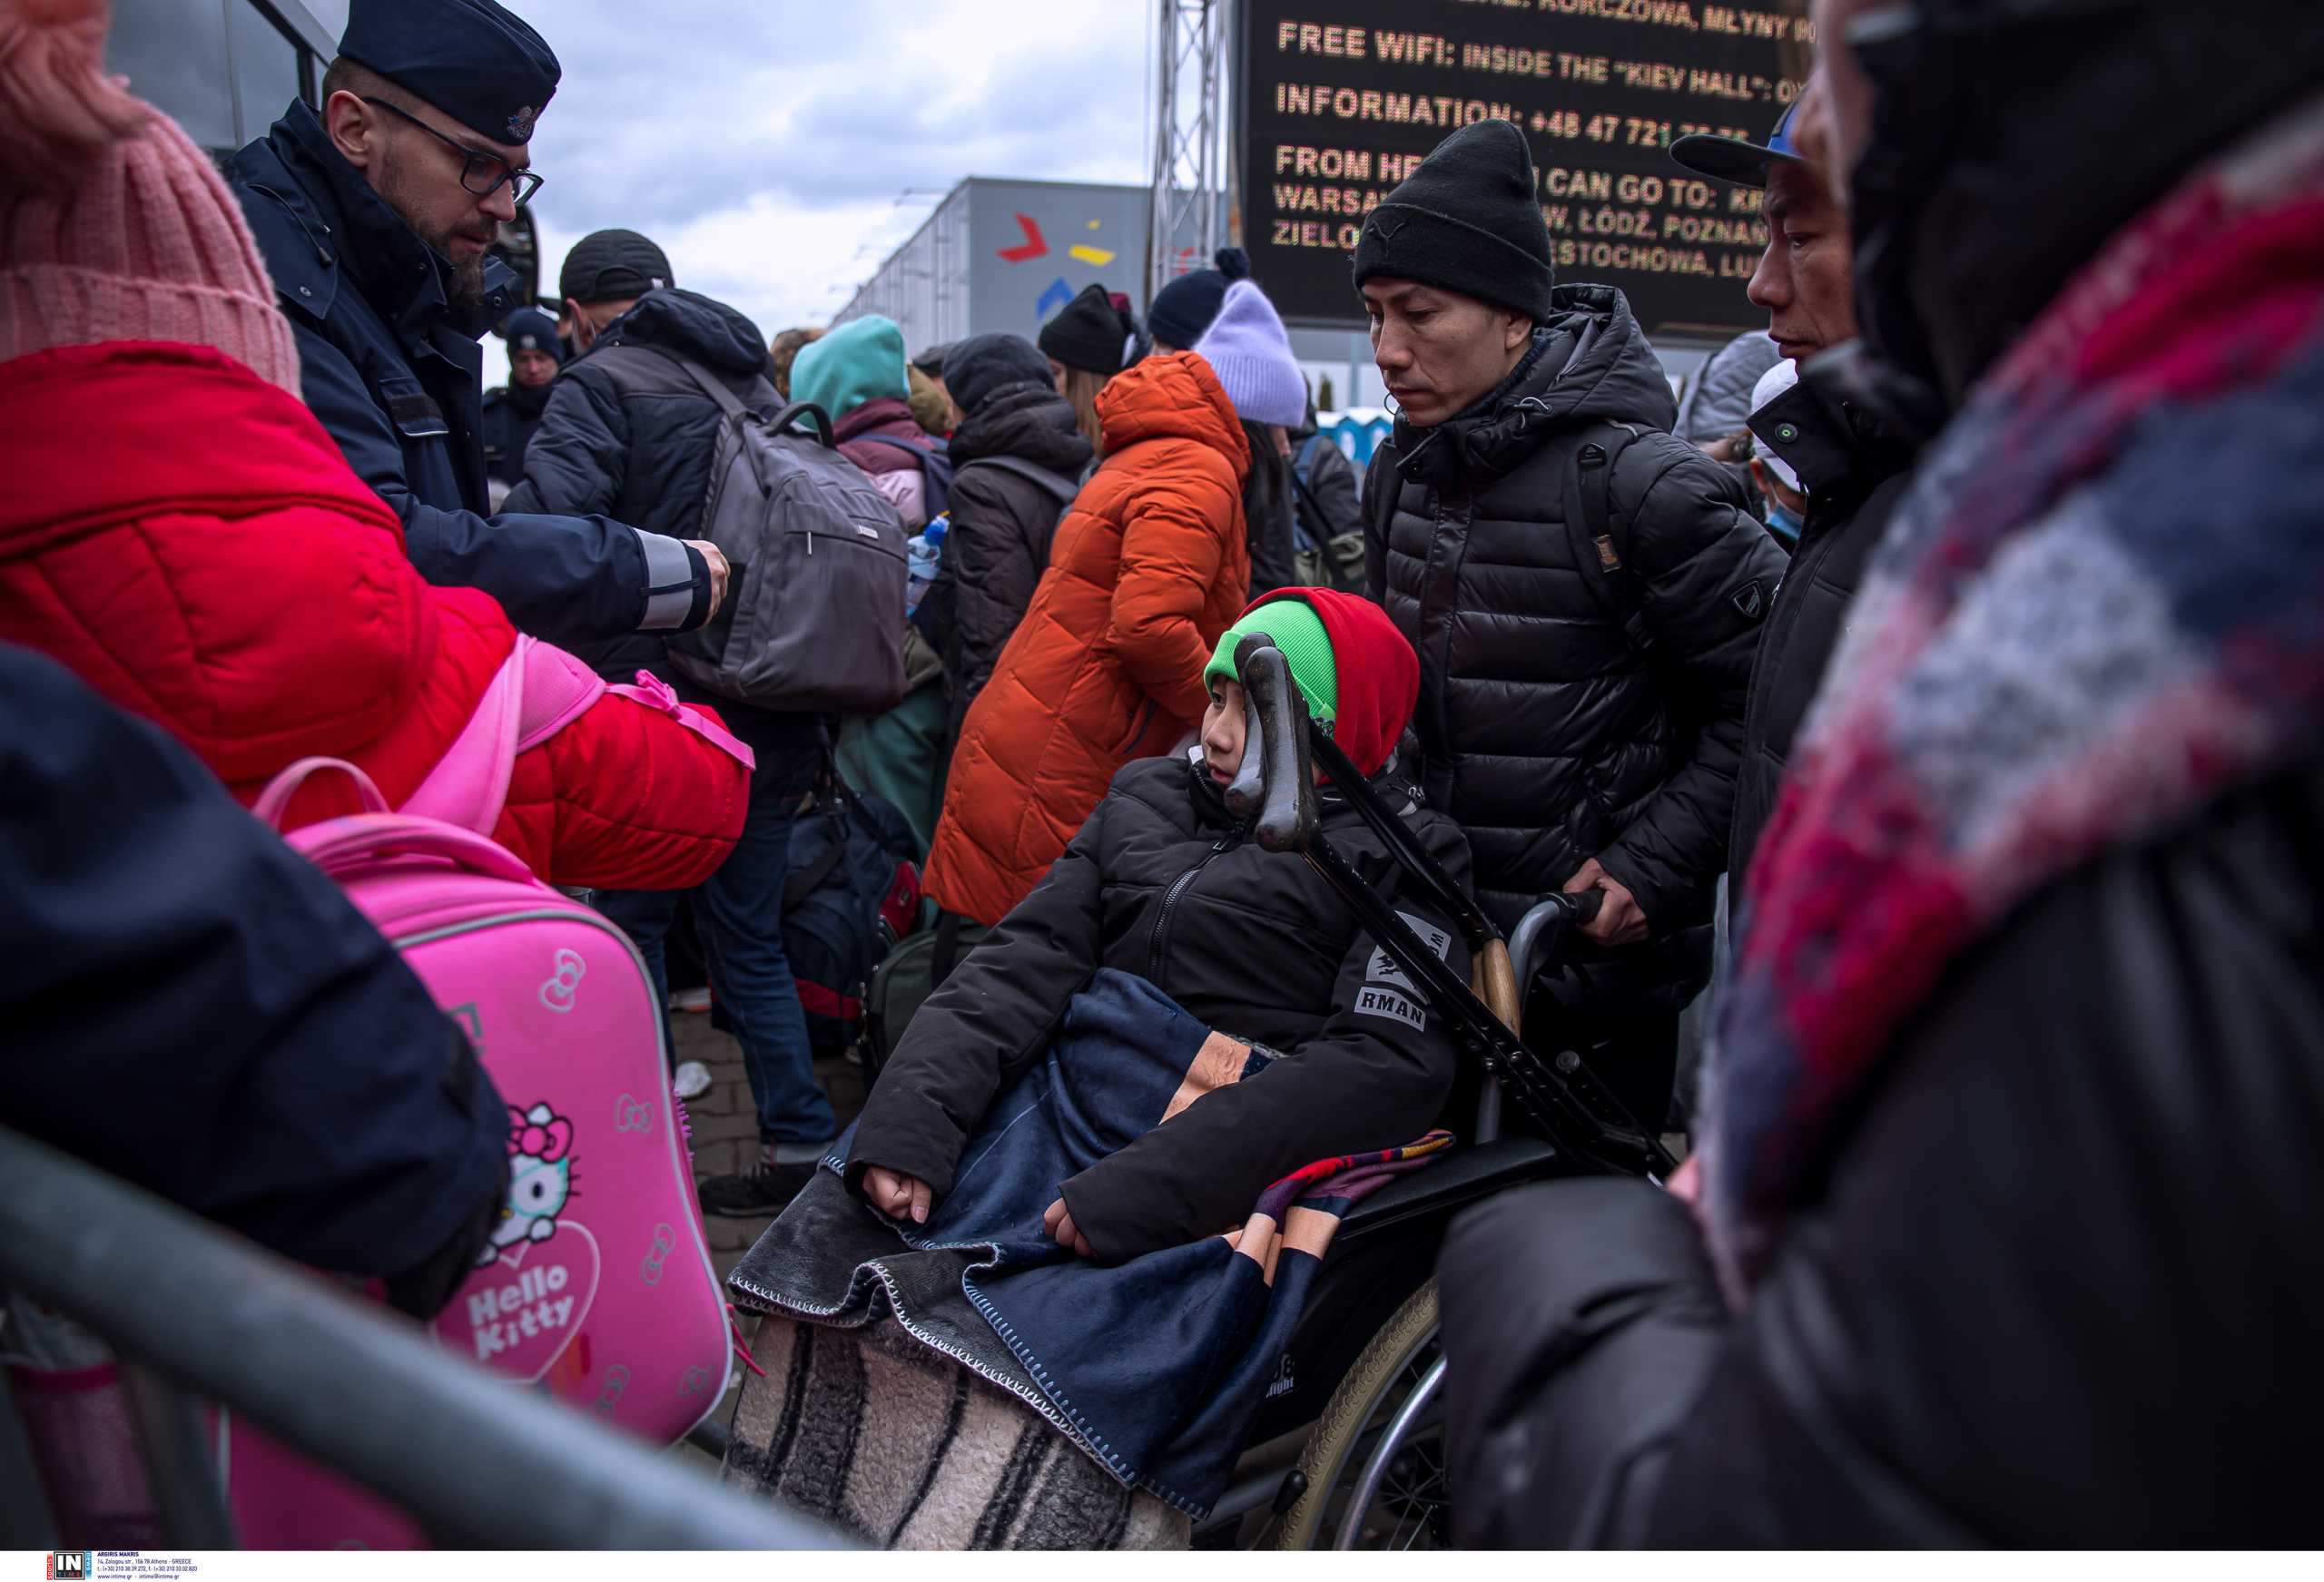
[812,618]
[607,1298]
[904,979]
[853,892]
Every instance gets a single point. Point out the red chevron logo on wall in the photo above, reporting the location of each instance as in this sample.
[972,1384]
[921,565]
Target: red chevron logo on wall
[1033,246]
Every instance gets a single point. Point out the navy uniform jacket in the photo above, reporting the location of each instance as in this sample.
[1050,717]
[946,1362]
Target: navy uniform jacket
[394,375]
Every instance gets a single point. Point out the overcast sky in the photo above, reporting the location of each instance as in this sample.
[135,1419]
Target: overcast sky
[764,145]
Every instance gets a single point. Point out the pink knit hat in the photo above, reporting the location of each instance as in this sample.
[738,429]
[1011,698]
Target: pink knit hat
[112,225]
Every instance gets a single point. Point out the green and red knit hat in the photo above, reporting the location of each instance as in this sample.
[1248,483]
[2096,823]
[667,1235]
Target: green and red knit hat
[1356,671]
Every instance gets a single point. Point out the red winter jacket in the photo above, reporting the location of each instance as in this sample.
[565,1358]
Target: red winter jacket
[187,538]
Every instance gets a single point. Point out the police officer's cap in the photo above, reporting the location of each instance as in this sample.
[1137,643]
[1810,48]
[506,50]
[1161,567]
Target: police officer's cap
[531,329]
[471,59]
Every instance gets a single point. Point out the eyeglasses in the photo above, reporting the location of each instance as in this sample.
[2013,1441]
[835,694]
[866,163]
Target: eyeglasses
[484,173]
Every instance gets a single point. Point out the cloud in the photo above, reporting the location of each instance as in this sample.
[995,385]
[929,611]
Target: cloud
[765,146]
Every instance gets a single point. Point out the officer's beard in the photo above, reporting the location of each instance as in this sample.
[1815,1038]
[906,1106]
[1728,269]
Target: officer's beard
[466,287]
[464,282]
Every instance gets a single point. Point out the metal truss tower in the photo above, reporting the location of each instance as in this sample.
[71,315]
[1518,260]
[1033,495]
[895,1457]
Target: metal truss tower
[1190,156]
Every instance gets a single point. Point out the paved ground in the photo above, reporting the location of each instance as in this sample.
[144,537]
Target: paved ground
[726,1137]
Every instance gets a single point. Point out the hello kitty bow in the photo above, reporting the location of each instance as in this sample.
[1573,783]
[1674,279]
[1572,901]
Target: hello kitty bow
[547,1141]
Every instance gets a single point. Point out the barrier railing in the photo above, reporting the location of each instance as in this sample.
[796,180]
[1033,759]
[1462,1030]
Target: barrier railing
[196,1314]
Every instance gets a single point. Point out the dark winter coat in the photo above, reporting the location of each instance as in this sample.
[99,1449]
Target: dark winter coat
[2020,1317]
[1162,883]
[394,375]
[2054,1282]
[511,415]
[194,1008]
[628,433]
[1853,474]
[1544,730]
[1333,502]
[999,543]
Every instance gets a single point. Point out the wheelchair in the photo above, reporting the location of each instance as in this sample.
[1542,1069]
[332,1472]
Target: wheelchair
[1347,1452]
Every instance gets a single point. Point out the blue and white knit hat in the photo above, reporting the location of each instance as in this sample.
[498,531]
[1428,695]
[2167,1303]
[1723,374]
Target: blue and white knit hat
[1247,350]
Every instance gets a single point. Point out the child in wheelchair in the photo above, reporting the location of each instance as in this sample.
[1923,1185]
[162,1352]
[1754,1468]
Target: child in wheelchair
[1056,1259]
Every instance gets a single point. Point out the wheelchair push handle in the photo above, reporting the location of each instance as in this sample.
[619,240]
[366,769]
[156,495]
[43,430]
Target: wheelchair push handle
[1276,787]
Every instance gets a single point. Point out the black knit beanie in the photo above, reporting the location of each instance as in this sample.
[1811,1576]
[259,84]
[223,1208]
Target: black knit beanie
[1184,308]
[982,366]
[1091,333]
[1467,219]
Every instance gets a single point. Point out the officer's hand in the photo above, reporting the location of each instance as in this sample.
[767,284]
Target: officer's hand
[1058,1221]
[715,559]
[1620,920]
[898,1196]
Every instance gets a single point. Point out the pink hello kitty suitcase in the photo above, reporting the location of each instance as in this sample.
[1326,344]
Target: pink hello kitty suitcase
[596,1286]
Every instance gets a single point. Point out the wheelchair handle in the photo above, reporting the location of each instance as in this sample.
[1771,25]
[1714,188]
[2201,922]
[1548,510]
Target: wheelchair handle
[1276,786]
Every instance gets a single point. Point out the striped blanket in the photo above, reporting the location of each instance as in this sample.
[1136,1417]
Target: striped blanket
[1154,1368]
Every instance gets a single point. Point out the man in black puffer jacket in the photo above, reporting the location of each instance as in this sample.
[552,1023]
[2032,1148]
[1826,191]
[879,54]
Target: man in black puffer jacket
[630,428]
[1017,457]
[1580,719]
[1853,469]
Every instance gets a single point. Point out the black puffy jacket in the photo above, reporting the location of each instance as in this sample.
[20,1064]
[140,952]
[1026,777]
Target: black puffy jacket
[2063,1289]
[999,543]
[1164,883]
[1854,475]
[627,432]
[1544,730]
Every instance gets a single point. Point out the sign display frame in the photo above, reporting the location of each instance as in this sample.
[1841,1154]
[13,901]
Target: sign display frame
[1335,101]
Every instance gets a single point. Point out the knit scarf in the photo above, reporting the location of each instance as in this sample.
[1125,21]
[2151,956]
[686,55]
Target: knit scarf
[2100,607]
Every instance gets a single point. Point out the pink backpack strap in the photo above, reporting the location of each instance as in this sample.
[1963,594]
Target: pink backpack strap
[655,694]
[470,782]
[275,800]
[538,691]
[559,690]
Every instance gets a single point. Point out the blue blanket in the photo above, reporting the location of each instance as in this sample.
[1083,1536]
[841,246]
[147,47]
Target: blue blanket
[1155,1367]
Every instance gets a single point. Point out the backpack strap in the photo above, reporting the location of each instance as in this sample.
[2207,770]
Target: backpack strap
[920,453]
[1057,486]
[650,691]
[731,405]
[1590,528]
[469,783]
[275,800]
[1321,532]
[804,881]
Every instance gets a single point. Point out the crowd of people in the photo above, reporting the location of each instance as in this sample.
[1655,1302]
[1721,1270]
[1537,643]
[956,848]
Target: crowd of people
[1932,699]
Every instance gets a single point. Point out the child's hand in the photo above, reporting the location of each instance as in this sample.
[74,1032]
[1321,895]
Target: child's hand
[897,1196]
[1058,1220]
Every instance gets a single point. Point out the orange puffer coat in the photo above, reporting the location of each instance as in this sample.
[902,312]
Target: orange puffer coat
[1148,566]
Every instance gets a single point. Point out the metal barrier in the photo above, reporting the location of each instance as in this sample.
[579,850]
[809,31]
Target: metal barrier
[195,1313]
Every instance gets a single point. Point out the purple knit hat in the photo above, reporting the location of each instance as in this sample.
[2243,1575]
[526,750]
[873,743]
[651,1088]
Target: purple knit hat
[1247,350]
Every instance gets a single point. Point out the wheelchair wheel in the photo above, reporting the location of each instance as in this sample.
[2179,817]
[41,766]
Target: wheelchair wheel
[1375,1465]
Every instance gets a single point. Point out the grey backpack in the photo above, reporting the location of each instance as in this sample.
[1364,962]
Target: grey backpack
[813,618]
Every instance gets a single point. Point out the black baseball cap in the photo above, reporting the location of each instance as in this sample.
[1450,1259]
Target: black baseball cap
[613,266]
[1739,161]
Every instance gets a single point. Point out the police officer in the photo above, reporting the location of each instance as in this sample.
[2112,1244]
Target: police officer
[374,217]
[512,412]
